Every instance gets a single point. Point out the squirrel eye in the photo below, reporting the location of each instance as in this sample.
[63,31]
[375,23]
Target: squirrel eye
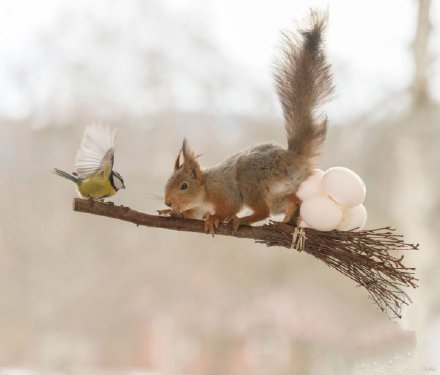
[184,186]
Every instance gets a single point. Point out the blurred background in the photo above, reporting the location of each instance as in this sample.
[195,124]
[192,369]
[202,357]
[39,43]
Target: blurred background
[80,294]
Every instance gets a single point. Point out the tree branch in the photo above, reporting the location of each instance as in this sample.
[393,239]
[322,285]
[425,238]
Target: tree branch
[371,258]
[174,223]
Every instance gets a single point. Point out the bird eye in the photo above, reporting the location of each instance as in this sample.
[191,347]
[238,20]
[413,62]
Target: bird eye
[184,186]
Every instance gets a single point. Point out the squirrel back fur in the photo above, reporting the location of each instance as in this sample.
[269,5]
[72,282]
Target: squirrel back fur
[263,177]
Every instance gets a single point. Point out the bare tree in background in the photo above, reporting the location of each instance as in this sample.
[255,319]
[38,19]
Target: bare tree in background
[421,57]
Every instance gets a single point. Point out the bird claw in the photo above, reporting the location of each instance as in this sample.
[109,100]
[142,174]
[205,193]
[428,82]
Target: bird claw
[211,223]
[91,201]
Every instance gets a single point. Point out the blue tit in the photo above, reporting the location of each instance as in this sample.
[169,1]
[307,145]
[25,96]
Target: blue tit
[94,174]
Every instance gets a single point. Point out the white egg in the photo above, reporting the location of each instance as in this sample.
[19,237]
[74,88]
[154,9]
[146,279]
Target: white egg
[321,213]
[344,186]
[355,217]
[311,186]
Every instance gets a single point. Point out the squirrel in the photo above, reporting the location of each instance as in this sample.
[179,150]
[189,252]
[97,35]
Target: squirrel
[263,177]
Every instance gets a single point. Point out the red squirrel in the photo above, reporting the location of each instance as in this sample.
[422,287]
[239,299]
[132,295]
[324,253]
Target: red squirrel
[263,177]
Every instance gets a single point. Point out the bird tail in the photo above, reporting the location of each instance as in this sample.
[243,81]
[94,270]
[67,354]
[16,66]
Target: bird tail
[66,175]
[303,83]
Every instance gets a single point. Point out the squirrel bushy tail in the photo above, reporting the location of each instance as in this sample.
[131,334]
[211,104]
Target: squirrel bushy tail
[304,82]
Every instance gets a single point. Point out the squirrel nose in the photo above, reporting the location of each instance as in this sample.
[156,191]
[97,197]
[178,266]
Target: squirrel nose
[168,204]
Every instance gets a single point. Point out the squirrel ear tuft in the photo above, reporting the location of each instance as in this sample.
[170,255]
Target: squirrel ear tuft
[183,150]
[177,164]
[187,153]
[189,160]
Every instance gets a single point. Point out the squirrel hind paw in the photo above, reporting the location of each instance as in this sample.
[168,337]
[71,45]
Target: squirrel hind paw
[292,210]
[235,221]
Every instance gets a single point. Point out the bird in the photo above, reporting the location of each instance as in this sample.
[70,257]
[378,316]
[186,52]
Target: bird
[94,174]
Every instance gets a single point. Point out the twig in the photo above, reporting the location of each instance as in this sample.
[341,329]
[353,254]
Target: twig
[370,257]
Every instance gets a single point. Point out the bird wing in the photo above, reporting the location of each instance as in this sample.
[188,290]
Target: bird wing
[96,153]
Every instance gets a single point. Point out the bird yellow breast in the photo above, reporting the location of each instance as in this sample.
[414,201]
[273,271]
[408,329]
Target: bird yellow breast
[96,187]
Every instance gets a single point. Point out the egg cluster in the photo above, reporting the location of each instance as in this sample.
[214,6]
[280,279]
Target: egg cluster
[333,200]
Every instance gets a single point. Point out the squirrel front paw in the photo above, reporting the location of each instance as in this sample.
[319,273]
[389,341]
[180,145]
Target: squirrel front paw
[170,212]
[167,211]
[211,223]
